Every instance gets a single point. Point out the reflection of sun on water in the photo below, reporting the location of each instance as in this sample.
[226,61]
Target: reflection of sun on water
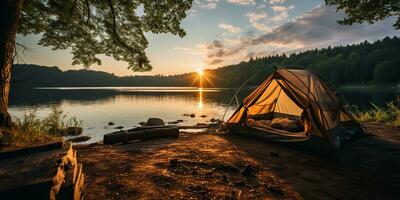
[200,104]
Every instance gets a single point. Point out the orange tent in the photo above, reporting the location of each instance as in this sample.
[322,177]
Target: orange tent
[293,96]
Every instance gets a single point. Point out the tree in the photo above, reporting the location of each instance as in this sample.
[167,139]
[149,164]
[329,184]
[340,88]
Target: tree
[387,71]
[89,28]
[370,11]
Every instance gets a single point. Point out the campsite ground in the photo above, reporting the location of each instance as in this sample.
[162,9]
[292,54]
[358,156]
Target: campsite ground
[212,166]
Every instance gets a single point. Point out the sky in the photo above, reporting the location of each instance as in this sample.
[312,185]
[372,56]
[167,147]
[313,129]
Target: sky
[224,32]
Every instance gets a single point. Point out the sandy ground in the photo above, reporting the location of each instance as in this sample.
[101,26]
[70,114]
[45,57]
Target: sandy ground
[212,166]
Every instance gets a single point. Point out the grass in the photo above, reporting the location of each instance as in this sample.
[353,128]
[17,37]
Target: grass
[390,114]
[30,129]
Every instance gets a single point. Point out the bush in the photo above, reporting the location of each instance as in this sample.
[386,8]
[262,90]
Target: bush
[32,130]
[389,114]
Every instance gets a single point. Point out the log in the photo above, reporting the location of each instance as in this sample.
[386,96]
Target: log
[144,134]
[41,172]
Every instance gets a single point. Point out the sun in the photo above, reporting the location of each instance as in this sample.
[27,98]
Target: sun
[200,72]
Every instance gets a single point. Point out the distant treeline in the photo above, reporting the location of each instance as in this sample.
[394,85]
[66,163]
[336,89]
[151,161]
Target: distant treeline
[364,63]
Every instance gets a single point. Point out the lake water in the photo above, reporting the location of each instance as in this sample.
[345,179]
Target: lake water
[126,106]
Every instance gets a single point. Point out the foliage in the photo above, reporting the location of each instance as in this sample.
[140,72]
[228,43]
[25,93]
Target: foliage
[359,11]
[389,114]
[31,130]
[342,65]
[111,27]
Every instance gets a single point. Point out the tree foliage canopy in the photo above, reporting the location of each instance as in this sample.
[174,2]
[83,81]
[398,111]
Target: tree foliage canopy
[111,27]
[359,11]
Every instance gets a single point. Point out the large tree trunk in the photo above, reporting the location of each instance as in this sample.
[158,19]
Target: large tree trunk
[10,11]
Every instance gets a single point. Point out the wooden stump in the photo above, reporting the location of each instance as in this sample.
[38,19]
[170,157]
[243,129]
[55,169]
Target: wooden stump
[42,172]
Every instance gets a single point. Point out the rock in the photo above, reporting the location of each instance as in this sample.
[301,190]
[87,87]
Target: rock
[186,114]
[192,115]
[79,139]
[180,120]
[274,154]
[200,124]
[247,171]
[142,123]
[203,116]
[74,130]
[110,123]
[119,127]
[212,120]
[155,122]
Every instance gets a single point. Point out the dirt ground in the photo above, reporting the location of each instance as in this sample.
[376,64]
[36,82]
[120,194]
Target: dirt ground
[214,166]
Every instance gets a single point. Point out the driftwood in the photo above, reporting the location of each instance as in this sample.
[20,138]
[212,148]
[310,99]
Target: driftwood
[141,133]
[42,172]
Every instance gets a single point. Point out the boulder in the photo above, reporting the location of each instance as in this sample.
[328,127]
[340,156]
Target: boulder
[155,122]
[119,127]
[110,123]
[203,116]
[192,115]
[142,123]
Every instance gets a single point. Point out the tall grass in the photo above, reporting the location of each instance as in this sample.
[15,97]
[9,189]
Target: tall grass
[389,114]
[30,129]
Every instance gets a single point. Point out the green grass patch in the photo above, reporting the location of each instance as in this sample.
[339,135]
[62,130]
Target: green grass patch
[389,114]
[30,129]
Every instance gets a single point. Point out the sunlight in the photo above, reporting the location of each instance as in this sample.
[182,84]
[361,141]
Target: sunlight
[200,103]
[200,72]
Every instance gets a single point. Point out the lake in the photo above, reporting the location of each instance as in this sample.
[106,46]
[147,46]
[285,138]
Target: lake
[127,106]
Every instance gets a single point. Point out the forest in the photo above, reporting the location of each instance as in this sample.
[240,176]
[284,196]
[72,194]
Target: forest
[376,63]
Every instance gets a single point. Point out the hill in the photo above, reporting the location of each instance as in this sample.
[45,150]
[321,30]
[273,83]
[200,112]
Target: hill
[358,64]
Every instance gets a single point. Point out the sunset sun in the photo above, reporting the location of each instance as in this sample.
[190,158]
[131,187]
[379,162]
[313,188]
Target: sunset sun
[200,72]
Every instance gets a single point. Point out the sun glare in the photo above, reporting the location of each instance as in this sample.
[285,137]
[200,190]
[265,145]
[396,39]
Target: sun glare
[200,72]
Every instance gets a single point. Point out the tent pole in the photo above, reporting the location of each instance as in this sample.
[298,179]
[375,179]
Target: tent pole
[238,90]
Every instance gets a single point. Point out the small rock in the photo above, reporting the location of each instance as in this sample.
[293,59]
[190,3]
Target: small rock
[142,123]
[192,115]
[200,124]
[173,122]
[119,127]
[74,130]
[186,114]
[79,139]
[212,120]
[155,122]
[274,154]
[110,123]
[247,171]
[203,116]
[180,120]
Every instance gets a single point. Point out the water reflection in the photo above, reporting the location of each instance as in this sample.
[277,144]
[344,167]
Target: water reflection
[200,104]
[128,106]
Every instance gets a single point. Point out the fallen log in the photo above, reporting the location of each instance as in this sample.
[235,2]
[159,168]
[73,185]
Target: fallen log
[41,172]
[143,134]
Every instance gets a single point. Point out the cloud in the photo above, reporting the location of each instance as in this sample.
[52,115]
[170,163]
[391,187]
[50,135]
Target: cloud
[282,12]
[242,2]
[208,4]
[230,28]
[255,18]
[314,29]
[277,1]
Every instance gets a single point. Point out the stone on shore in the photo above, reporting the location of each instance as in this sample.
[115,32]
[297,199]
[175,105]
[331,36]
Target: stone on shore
[155,122]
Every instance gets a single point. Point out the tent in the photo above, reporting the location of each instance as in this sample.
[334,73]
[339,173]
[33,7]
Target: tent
[294,104]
